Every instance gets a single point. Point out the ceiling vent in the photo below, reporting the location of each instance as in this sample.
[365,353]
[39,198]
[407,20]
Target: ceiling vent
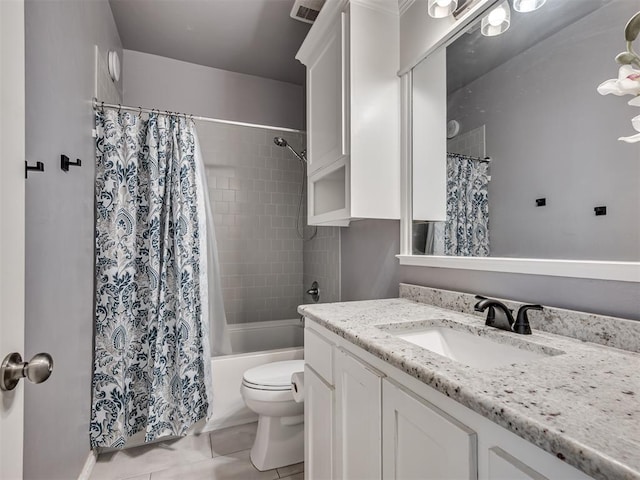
[306,10]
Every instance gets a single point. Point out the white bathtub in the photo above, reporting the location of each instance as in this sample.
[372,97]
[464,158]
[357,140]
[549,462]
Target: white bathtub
[261,336]
[277,340]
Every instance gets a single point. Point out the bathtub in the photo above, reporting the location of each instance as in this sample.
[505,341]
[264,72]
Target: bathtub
[276,340]
[261,336]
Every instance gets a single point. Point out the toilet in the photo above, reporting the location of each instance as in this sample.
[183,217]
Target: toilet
[266,390]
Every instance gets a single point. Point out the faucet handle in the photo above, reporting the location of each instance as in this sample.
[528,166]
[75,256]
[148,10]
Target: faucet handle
[480,298]
[522,320]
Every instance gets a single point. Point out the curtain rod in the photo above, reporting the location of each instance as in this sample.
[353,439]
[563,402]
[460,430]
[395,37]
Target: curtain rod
[469,157]
[97,105]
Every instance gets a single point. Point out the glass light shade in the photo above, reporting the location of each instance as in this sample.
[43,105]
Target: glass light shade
[525,6]
[442,8]
[497,21]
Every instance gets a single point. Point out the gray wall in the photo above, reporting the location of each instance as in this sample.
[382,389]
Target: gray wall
[550,134]
[60,39]
[158,82]
[369,267]
[370,270]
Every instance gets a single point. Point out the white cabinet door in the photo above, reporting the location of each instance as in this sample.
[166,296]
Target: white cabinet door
[503,466]
[358,419]
[422,442]
[325,100]
[430,138]
[318,427]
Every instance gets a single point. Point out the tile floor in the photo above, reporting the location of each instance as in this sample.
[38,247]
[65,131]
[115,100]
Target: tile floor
[220,455]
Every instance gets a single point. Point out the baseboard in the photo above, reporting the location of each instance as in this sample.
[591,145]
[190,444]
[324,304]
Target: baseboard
[85,474]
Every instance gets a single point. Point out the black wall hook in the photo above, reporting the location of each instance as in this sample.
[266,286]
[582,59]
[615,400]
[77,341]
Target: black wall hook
[39,167]
[65,163]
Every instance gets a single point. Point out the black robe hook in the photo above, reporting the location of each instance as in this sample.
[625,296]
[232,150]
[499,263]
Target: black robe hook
[65,163]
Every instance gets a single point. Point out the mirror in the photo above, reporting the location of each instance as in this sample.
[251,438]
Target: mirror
[531,166]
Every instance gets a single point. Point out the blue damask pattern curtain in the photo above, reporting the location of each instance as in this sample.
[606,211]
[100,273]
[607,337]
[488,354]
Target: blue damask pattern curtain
[466,231]
[151,365]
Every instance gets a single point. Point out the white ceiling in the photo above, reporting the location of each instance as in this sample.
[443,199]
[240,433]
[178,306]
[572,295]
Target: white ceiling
[256,37]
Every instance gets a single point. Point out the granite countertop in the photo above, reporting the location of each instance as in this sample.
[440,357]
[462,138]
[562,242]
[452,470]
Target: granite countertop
[583,406]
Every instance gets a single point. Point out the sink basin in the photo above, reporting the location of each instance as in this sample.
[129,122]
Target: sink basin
[468,348]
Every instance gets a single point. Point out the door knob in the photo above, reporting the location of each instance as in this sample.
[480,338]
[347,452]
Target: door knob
[36,370]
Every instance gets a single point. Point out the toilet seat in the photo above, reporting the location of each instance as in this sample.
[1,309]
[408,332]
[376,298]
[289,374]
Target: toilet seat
[275,376]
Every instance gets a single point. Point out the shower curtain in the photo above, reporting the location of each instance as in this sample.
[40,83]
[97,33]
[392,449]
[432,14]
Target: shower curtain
[152,358]
[466,230]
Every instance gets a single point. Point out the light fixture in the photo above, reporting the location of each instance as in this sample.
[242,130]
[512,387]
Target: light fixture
[442,8]
[453,128]
[113,65]
[497,21]
[525,6]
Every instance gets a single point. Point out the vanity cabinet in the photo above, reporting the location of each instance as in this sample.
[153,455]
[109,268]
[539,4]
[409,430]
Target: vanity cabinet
[318,412]
[358,418]
[503,466]
[319,407]
[353,122]
[422,441]
[365,418]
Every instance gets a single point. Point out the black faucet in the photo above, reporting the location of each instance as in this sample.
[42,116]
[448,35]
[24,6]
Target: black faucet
[522,320]
[500,316]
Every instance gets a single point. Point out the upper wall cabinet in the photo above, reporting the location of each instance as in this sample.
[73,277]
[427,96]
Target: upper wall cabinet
[353,98]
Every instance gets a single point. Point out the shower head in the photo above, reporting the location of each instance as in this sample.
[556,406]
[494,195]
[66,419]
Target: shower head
[281,142]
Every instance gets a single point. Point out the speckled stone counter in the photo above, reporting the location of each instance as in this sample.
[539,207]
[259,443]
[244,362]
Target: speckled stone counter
[583,405]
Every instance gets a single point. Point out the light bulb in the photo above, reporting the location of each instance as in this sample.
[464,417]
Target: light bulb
[440,8]
[497,21]
[497,16]
[525,6]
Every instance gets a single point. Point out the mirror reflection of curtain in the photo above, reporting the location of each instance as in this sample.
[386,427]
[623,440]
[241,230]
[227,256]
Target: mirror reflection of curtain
[434,238]
[466,231]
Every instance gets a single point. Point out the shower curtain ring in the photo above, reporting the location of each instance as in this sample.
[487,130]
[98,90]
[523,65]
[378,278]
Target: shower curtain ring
[119,108]
[139,112]
[102,108]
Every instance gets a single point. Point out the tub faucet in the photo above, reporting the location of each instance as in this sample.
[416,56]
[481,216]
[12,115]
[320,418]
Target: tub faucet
[500,316]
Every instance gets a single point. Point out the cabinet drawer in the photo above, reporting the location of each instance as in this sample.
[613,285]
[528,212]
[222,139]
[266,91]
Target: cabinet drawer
[318,354]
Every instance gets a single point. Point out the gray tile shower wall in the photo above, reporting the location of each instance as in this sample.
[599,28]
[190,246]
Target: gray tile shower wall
[322,264]
[254,188]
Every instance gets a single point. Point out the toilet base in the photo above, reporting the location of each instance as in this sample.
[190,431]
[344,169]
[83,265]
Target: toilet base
[279,442]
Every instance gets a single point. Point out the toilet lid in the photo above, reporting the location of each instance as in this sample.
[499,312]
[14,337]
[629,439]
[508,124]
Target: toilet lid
[275,375]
